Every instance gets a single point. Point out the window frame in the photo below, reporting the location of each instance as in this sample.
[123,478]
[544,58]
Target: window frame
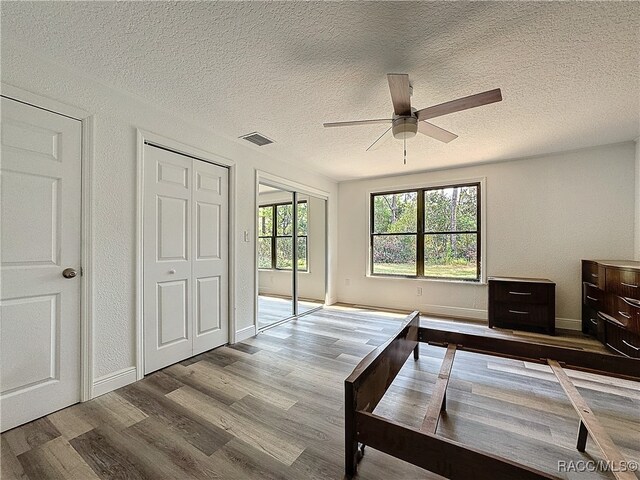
[420,232]
[274,236]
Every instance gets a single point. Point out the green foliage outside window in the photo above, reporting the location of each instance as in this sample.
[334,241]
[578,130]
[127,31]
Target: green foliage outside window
[275,236]
[449,243]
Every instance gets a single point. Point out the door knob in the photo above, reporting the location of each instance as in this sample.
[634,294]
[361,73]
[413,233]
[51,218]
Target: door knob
[69,273]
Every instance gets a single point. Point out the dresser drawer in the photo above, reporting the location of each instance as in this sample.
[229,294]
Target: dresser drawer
[517,313]
[590,273]
[625,283]
[520,292]
[627,312]
[622,341]
[592,296]
[591,323]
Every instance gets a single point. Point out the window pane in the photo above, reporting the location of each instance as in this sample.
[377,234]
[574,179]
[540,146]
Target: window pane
[302,253]
[265,221]
[284,253]
[264,253]
[284,218]
[451,255]
[394,254]
[303,210]
[395,213]
[451,209]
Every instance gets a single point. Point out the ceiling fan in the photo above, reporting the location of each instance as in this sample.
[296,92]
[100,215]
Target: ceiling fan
[407,121]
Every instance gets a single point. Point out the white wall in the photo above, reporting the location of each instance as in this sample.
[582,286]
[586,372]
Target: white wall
[117,115]
[637,221]
[544,214]
[311,284]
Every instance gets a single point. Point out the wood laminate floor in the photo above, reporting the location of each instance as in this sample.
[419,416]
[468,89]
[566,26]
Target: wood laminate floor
[272,407]
[272,309]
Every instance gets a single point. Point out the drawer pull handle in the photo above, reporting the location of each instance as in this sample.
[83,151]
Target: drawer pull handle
[518,312]
[629,345]
[520,293]
[592,299]
[595,322]
[594,275]
[631,302]
[630,285]
[625,315]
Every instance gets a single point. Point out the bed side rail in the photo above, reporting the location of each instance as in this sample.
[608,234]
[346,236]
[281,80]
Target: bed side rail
[366,386]
[574,358]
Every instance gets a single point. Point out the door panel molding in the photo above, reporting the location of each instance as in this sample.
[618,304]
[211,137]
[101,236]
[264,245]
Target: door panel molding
[87,121]
[202,183]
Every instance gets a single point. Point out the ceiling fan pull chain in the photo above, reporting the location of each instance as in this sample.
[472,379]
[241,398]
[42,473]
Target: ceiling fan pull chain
[405,149]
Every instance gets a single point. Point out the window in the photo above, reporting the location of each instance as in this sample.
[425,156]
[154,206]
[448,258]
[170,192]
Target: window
[430,232]
[275,236]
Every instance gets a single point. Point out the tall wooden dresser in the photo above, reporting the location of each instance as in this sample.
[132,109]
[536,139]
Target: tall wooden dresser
[611,304]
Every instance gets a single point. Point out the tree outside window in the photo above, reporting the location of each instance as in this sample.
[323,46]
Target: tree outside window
[431,232]
[275,236]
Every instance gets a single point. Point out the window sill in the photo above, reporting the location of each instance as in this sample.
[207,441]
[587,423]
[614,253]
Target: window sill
[429,280]
[282,270]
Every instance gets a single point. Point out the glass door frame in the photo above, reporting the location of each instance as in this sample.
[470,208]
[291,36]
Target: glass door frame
[295,188]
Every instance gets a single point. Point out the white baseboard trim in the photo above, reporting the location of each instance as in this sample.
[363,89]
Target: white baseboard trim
[445,311]
[245,333]
[113,381]
[569,324]
[331,300]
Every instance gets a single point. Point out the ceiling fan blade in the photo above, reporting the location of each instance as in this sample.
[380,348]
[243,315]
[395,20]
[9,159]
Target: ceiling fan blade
[465,103]
[400,93]
[381,140]
[430,130]
[358,122]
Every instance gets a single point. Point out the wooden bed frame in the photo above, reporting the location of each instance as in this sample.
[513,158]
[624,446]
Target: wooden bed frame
[366,386]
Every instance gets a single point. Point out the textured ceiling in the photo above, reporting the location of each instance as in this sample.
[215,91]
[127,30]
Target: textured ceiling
[569,72]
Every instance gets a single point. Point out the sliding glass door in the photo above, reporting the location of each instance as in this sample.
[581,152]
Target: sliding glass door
[291,254]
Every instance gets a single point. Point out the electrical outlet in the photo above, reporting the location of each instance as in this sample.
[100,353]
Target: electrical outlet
[419,291]
[347,281]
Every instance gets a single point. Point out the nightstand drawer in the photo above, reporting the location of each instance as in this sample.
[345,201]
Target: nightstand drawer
[520,292]
[592,296]
[623,282]
[518,313]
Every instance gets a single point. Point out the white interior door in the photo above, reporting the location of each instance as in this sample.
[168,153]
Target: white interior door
[185,257]
[210,256]
[40,221]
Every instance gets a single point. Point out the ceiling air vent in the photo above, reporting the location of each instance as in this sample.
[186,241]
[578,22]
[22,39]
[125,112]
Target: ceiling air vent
[257,139]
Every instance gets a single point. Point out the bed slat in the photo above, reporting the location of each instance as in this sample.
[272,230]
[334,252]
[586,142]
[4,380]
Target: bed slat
[589,420]
[438,402]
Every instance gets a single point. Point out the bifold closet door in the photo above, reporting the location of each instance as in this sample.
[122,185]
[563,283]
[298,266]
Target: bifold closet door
[185,257]
[209,277]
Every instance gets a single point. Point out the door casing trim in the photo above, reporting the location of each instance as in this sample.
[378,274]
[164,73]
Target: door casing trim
[143,137]
[87,121]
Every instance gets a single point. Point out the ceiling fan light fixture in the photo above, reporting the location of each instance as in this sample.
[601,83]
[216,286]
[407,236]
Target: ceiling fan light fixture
[404,127]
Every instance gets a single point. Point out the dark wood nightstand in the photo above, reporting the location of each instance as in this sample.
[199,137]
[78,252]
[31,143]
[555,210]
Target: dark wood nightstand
[522,304]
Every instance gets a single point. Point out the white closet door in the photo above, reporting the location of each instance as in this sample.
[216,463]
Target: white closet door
[168,316]
[185,257]
[40,308]
[210,215]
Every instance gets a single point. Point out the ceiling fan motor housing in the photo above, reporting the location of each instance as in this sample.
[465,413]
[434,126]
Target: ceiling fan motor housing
[405,126]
